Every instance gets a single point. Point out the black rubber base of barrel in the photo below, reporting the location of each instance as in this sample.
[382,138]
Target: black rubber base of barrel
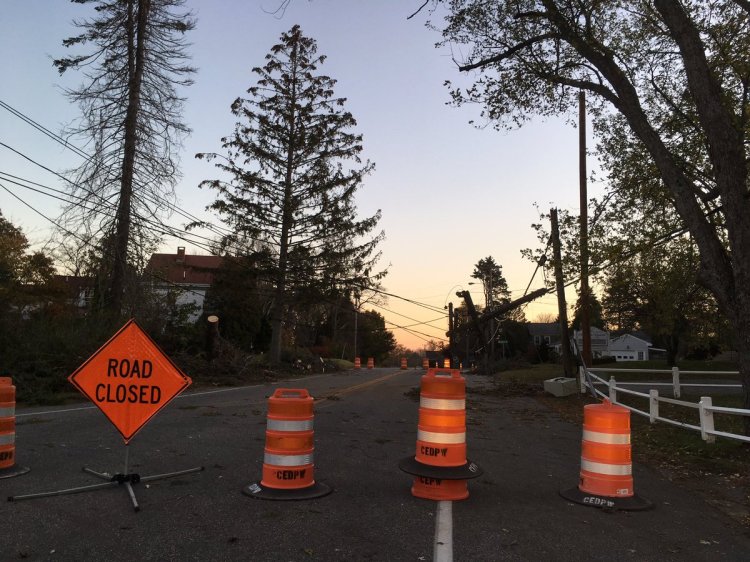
[258,491]
[14,470]
[632,503]
[410,465]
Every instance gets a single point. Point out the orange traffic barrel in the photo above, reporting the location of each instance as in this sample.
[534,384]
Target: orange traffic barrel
[403,364]
[606,477]
[425,363]
[370,363]
[441,432]
[288,455]
[357,363]
[446,363]
[8,466]
[440,465]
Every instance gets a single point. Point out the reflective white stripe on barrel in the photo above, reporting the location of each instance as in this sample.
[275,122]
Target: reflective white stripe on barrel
[609,469]
[442,403]
[607,438]
[444,438]
[8,412]
[287,460]
[7,438]
[289,425]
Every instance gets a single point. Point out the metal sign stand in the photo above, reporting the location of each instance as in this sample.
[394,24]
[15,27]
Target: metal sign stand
[128,479]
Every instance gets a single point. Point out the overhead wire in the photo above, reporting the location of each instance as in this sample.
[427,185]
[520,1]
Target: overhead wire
[171,231]
[195,239]
[17,180]
[155,275]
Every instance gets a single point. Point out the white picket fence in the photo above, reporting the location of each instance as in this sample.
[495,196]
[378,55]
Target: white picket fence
[705,406]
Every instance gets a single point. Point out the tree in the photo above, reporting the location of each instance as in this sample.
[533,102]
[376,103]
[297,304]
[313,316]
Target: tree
[496,292]
[13,246]
[596,315]
[241,302]
[494,285]
[546,318]
[659,292]
[24,276]
[294,167]
[375,340]
[672,73]
[131,120]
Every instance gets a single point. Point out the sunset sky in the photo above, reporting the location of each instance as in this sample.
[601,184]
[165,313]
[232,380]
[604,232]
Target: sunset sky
[450,193]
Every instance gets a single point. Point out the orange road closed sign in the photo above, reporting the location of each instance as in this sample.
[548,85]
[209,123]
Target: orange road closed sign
[129,379]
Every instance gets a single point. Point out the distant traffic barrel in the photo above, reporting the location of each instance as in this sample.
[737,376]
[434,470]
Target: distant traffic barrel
[370,363]
[8,467]
[357,363]
[403,364]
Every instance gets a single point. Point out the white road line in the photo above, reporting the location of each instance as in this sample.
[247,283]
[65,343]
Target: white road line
[443,548]
[55,411]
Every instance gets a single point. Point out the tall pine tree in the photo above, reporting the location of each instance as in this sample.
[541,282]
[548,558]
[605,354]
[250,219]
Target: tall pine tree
[131,123]
[294,166]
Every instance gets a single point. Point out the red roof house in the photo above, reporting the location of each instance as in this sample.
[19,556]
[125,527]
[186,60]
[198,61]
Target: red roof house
[190,275]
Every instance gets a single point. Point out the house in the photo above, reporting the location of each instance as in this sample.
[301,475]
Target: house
[78,291]
[190,276]
[629,348]
[544,332]
[599,342]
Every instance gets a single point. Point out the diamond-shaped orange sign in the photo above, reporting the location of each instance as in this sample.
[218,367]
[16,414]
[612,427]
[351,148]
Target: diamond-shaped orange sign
[129,379]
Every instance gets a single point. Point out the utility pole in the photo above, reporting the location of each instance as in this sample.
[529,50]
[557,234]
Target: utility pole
[466,295]
[451,326]
[456,323]
[562,309]
[356,316]
[585,300]
[489,304]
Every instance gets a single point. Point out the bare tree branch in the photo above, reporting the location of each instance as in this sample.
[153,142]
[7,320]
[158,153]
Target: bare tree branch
[508,53]
[419,9]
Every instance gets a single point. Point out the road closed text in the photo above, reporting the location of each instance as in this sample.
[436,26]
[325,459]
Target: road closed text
[130,388]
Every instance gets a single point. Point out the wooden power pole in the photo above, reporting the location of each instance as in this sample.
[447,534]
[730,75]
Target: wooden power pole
[451,328]
[562,307]
[585,300]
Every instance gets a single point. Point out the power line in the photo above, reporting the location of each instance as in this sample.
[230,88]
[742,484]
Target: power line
[152,274]
[418,323]
[57,138]
[159,226]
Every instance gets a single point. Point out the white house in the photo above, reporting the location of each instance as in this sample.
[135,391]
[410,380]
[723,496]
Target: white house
[599,341]
[629,348]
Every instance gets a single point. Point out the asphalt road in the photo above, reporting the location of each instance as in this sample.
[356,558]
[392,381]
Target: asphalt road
[365,422]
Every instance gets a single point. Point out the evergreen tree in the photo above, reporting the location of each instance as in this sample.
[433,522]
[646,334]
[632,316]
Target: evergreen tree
[294,167]
[494,285]
[131,122]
